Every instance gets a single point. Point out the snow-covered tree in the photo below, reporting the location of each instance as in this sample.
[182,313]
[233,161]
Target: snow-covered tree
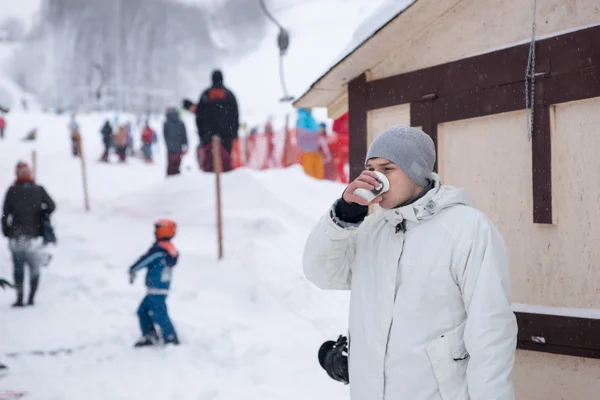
[74,54]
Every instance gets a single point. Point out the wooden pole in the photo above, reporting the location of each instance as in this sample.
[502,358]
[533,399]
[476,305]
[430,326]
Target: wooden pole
[83,175]
[218,168]
[33,163]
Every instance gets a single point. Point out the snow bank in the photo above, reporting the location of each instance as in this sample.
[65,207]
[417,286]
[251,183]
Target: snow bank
[250,325]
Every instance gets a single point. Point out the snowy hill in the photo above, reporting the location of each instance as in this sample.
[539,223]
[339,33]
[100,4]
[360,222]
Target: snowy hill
[250,325]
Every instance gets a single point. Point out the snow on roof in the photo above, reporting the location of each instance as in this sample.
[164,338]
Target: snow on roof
[378,19]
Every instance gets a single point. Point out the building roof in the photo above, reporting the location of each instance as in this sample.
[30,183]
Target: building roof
[372,25]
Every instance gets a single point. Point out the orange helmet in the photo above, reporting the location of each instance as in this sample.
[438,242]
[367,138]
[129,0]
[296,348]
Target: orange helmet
[164,229]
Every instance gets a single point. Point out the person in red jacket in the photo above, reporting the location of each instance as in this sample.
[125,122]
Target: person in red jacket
[340,147]
[148,136]
[2,126]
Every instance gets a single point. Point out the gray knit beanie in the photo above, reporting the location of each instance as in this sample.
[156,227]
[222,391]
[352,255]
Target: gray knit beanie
[409,148]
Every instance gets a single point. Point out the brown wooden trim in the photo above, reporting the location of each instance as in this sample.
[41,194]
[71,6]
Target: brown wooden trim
[571,336]
[572,86]
[506,98]
[541,157]
[562,350]
[357,125]
[421,114]
[474,73]
[560,54]
[571,51]
[479,103]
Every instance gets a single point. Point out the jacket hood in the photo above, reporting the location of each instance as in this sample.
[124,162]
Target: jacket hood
[217,78]
[435,201]
[172,115]
[305,121]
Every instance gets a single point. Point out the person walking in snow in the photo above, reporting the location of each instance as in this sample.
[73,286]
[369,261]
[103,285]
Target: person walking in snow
[176,140]
[148,139]
[311,144]
[430,315]
[159,261]
[75,136]
[107,139]
[217,114]
[2,126]
[26,208]
[325,150]
[120,142]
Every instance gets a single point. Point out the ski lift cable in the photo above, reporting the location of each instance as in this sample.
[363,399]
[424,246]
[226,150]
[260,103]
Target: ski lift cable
[268,14]
[282,79]
[283,42]
[245,20]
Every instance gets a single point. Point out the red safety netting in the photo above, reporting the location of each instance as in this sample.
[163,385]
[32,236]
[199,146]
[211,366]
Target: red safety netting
[278,149]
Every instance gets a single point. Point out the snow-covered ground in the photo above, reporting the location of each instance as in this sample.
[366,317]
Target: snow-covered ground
[250,324]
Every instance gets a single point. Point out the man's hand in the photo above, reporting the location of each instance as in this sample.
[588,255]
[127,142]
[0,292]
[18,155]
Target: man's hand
[131,278]
[4,282]
[366,180]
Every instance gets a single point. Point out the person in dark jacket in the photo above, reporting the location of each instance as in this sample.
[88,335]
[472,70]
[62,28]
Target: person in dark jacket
[26,205]
[216,114]
[106,139]
[175,139]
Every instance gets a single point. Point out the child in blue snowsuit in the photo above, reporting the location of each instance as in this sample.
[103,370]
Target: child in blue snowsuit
[159,260]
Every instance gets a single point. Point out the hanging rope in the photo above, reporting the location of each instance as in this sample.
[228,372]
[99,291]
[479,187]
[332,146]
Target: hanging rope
[286,96]
[530,78]
[283,41]
[268,14]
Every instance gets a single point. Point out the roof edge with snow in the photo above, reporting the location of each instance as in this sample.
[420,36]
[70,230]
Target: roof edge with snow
[351,49]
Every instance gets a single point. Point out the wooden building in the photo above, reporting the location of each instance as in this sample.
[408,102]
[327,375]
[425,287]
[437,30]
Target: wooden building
[457,69]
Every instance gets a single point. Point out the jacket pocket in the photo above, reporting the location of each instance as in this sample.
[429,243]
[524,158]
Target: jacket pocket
[449,360]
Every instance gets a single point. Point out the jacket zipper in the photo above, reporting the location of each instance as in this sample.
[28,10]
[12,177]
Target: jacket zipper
[400,228]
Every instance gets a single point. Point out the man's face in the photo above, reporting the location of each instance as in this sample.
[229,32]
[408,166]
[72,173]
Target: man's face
[402,188]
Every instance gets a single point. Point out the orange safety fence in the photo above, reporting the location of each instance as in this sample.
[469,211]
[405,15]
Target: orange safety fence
[279,149]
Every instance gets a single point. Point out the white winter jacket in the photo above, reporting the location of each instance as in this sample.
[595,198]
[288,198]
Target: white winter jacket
[430,315]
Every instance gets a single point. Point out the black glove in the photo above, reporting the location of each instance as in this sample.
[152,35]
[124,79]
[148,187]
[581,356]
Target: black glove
[4,282]
[333,357]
